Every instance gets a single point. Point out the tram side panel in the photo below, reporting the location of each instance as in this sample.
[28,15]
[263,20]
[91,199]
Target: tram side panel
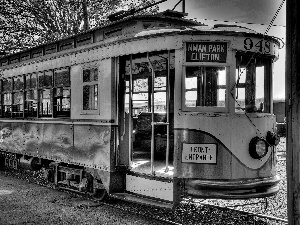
[88,140]
[81,144]
[84,145]
[99,136]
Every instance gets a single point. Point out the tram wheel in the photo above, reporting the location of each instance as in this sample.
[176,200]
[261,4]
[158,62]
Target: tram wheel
[99,192]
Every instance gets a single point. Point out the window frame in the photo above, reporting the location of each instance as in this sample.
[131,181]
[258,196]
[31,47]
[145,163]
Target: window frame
[29,88]
[21,92]
[212,109]
[42,83]
[55,87]
[43,88]
[268,80]
[90,83]
[6,92]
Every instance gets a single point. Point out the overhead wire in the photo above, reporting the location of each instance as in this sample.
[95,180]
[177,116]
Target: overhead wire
[274,17]
[249,23]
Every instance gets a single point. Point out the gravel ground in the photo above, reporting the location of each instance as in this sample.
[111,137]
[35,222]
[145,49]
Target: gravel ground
[22,201]
[25,202]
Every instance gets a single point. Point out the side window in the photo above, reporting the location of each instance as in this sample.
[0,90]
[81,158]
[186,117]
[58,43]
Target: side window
[253,74]
[62,92]
[6,96]
[45,93]
[18,96]
[90,90]
[31,96]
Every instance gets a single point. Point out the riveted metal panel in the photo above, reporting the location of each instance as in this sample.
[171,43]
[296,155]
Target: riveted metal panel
[9,140]
[74,58]
[51,141]
[56,141]
[85,145]
[92,146]
[93,55]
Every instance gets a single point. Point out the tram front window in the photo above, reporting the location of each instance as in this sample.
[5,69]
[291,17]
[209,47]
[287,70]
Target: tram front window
[253,79]
[205,86]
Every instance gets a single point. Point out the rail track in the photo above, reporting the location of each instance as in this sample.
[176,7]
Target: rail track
[192,213]
[193,210]
[268,218]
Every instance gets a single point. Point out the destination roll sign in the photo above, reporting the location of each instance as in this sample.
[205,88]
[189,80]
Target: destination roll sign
[206,52]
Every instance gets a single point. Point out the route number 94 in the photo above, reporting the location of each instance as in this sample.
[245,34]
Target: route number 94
[262,46]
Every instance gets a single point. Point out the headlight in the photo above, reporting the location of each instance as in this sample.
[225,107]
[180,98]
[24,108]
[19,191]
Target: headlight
[258,148]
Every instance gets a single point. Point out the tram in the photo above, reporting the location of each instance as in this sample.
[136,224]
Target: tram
[148,108]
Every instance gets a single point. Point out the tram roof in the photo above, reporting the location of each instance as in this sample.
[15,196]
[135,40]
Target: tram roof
[200,29]
[225,29]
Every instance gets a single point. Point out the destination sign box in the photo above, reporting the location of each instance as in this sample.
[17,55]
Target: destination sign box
[199,153]
[206,52]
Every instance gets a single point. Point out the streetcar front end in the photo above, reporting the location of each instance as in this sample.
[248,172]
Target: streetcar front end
[225,129]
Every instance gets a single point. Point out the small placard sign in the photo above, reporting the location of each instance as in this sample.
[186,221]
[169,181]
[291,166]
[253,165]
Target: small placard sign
[206,52]
[199,153]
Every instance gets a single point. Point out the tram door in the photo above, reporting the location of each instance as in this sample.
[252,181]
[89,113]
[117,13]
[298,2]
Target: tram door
[146,115]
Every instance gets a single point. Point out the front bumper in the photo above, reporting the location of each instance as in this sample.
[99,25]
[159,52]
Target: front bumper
[232,189]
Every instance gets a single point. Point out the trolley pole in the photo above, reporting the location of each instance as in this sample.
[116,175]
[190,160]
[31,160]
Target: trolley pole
[183,6]
[293,110]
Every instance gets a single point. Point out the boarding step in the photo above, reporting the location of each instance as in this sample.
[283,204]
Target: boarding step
[142,200]
[150,186]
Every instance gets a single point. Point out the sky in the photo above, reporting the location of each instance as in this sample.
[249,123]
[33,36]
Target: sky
[254,14]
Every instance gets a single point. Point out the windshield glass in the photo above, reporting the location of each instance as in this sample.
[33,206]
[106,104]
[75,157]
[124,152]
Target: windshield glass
[253,83]
[205,86]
